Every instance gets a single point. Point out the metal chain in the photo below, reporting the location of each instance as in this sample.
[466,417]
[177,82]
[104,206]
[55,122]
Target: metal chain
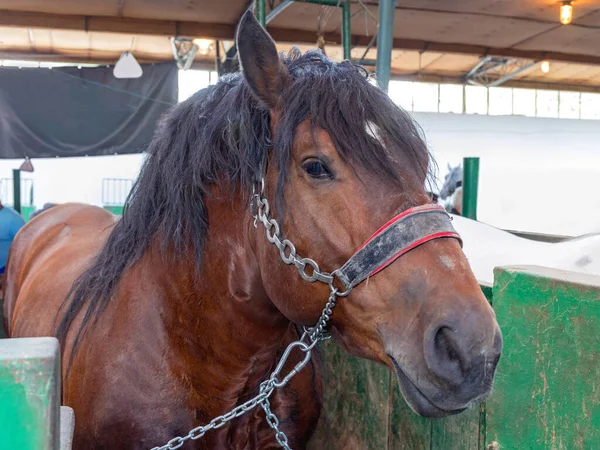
[273,422]
[287,251]
[308,340]
[217,422]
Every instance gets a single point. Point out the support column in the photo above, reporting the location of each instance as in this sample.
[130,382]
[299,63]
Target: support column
[385,40]
[261,12]
[17,190]
[346,34]
[470,187]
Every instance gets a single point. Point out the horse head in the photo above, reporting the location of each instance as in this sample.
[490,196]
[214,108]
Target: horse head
[343,160]
[452,180]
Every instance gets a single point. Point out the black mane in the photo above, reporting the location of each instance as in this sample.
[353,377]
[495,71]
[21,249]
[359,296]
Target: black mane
[223,133]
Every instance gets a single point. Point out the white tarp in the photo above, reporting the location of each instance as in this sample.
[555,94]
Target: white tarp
[487,247]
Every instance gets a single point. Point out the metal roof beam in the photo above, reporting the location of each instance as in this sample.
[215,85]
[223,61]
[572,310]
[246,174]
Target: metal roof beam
[226,31]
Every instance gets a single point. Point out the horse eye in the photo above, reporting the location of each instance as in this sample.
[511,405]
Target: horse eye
[316,169]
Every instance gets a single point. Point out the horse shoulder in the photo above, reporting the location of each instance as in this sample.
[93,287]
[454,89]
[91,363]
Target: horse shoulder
[121,381]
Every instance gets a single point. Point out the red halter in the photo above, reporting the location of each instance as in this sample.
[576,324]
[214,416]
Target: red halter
[407,230]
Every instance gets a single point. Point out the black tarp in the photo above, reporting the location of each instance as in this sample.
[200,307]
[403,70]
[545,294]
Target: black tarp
[76,112]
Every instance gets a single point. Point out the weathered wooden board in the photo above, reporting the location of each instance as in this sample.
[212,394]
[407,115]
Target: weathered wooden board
[547,392]
[408,430]
[357,402]
[461,432]
[362,412]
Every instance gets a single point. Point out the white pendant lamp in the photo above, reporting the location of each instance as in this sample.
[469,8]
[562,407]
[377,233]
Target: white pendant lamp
[127,67]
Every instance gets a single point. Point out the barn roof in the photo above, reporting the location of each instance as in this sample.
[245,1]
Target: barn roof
[433,40]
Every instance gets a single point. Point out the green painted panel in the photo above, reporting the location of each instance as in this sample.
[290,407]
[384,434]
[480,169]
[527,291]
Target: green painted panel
[26,212]
[547,393]
[459,432]
[29,393]
[487,291]
[356,404]
[408,430]
[115,209]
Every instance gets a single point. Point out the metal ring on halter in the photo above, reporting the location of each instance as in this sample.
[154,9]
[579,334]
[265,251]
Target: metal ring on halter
[307,261]
[334,275]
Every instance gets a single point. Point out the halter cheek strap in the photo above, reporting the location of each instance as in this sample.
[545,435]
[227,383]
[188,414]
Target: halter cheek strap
[400,235]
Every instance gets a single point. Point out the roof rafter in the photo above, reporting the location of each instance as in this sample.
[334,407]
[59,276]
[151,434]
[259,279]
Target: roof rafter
[190,29]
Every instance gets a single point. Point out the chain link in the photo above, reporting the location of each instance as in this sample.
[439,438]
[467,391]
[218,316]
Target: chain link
[309,270]
[219,421]
[287,251]
[273,422]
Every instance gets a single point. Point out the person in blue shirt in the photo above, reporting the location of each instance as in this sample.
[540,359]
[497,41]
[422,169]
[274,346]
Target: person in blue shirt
[10,223]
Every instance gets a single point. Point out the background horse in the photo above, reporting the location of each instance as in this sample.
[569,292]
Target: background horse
[451,192]
[45,208]
[177,312]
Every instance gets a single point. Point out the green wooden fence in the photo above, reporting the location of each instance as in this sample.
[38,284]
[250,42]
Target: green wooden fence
[547,389]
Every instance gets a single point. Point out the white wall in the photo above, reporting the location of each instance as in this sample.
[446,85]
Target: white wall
[536,174]
[58,180]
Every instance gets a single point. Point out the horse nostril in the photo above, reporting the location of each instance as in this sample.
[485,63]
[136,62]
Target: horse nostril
[444,356]
[444,345]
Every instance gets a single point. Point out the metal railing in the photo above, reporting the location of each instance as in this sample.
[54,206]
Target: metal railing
[115,191]
[7,194]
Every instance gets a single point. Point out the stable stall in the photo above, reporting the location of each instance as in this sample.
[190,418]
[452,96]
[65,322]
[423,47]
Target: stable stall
[546,393]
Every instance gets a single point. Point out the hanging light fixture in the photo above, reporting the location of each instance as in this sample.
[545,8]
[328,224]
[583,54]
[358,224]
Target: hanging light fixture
[545,66]
[26,166]
[566,12]
[204,45]
[127,67]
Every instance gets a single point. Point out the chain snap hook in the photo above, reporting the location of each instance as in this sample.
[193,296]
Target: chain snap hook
[297,368]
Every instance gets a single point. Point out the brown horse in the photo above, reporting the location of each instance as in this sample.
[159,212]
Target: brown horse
[177,313]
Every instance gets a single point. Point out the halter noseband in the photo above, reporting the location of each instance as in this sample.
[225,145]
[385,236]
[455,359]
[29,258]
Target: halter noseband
[406,231]
[398,236]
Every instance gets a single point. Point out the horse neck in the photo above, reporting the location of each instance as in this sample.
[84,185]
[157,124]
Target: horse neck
[221,315]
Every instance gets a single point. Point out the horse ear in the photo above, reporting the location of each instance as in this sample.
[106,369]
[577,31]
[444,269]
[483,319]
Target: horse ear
[265,73]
